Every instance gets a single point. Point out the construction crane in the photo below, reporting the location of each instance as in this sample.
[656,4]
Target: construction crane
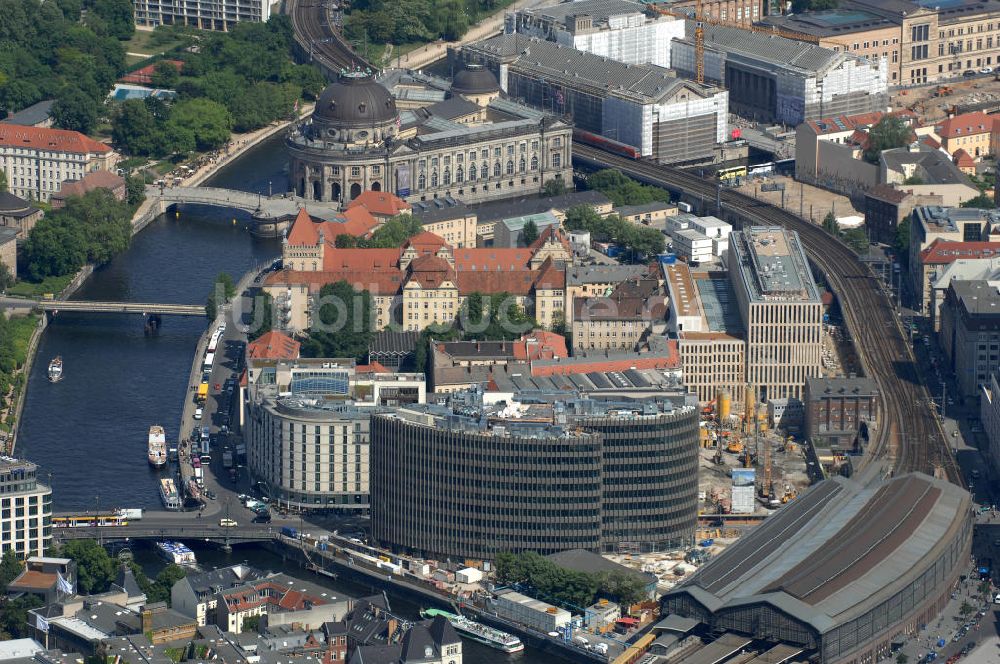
[699,43]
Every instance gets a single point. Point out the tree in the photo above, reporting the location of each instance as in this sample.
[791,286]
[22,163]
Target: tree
[223,290]
[135,190]
[10,568]
[393,233]
[6,281]
[343,326]
[581,217]
[554,187]
[856,239]
[887,134]
[208,122]
[345,241]
[982,201]
[135,131]
[75,110]
[965,609]
[901,242]
[14,615]
[96,570]
[251,624]
[263,315]
[165,581]
[117,17]
[529,233]
[623,190]
[830,224]
[165,75]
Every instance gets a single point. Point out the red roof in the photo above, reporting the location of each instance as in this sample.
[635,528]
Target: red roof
[930,142]
[540,345]
[519,282]
[55,140]
[89,182]
[967,124]
[30,578]
[371,367]
[551,233]
[549,276]
[380,203]
[377,283]
[671,360]
[273,345]
[304,230]
[145,74]
[431,271]
[492,259]
[361,260]
[358,222]
[425,242]
[943,252]
[963,159]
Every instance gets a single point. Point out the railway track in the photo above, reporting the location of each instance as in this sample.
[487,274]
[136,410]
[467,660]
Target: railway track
[317,37]
[910,437]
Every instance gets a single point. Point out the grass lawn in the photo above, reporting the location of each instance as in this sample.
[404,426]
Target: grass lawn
[151,43]
[52,285]
[23,326]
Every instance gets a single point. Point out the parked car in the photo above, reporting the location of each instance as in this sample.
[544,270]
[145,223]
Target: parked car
[198,413]
[228,523]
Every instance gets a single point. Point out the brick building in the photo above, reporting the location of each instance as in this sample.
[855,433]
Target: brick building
[836,407]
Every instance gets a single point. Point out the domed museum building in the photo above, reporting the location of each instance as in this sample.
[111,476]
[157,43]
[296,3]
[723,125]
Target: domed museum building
[473,145]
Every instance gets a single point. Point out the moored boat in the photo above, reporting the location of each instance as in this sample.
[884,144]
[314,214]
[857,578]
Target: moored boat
[168,494]
[477,631]
[156,447]
[176,553]
[56,369]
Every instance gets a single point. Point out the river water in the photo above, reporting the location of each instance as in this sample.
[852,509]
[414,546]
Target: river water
[88,432]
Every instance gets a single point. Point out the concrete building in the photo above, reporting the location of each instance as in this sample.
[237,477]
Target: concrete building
[41,577]
[773,79]
[18,214]
[574,460]
[510,232]
[622,30]
[817,575]
[621,320]
[924,171]
[206,15]
[357,140]
[780,309]
[831,148]
[36,115]
[648,214]
[948,224]
[989,417]
[835,409]
[307,428]
[960,269]
[698,240]
[666,118]
[529,611]
[37,161]
[8,249]
[25,509]
[196,595]
[95,180]
[460,365]
[710,335]
[970,333]
[887,207]
[969,132]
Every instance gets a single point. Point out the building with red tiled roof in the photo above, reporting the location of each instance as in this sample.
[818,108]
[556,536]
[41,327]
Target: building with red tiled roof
[457,365]
[969,131]
[964,161]
[381,204]
[38,160]
[273,345]
[144,75]
[95,180]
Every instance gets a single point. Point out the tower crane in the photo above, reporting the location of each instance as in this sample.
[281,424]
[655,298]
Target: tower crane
[699,43]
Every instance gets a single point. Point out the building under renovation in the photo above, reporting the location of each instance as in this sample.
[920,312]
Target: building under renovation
[619,29]
[774,79]
[663,117]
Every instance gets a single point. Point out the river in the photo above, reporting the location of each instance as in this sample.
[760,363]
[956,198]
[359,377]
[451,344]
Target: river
[88,432]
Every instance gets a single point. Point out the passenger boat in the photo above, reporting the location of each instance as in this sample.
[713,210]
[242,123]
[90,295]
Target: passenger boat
[168,494]
[476,631]
[156,448]
[55,369]
[176,553]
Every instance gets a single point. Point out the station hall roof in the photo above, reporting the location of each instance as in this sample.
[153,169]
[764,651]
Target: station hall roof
[836,552]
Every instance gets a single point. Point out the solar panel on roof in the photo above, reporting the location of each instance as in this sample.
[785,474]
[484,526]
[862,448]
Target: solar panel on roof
[599,379]
[637,378]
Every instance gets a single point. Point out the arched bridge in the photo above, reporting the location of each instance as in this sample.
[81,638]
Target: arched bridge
[260,206]
[106,307]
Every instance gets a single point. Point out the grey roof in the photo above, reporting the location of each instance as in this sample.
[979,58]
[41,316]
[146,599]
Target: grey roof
[453,107]
[440,209]
[838,551]
[223,578]
[499,210]
[474,79]
[772,264]
[554,62]
[7,234]
[676,624]
[935,167]
[599,10]
[581,560]
[818,386]
[388,341]
[33,115]
[600,274]
[758,47]
[978,298]
[11,205]
[655,206]
[127,582]
[355,99]
[831,22]
[637,383]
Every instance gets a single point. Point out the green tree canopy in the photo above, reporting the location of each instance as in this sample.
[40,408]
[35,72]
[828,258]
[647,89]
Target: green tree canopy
[116,17]
[623,190]
[75,110]
[344,323]
[888,133]
[165,75]
[982,201]
[208,122]
[10,568]
[554,187]
[553,583]
[96,570]
[529,233]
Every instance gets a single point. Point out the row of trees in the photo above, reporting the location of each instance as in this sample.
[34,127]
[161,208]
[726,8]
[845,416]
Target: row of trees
[92,228]
[236,81]
[639,242]
[96,571]
[393,233]
[412,21]
[568,587]
[15,334]
[623,190]
[50,53]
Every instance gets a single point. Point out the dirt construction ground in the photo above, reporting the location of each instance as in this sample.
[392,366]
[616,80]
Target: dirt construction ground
[813,202]
[931,108]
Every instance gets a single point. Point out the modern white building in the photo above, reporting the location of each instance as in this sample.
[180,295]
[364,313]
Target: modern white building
[203,14]
[25,509]
[692,246]
[698,239]
[37,160]
[617,29]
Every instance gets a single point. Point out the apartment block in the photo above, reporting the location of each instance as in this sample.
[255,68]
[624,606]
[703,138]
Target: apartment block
[37,160]
[204,14]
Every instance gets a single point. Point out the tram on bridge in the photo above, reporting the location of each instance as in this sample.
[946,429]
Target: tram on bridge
[89,520]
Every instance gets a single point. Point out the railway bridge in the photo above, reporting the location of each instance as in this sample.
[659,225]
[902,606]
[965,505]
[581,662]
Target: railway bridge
[89,306]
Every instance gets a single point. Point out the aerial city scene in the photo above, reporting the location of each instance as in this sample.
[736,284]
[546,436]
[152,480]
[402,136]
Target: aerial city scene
[488,331]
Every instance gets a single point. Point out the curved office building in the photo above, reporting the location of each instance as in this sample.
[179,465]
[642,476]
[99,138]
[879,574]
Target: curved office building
[469,479]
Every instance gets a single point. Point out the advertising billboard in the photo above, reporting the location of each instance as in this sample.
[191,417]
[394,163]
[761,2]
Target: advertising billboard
[744,490]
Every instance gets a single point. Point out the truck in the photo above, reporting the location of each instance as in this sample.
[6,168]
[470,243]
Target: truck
[199,476]
[288,531]
[202,393]
[227,458]
[130,513]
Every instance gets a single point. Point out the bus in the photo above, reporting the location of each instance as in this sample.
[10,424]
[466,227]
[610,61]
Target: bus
[213,343]
[209,361]
[733,175]
[89,520]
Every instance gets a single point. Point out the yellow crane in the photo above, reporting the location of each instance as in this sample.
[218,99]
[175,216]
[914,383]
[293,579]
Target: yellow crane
[699,43]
